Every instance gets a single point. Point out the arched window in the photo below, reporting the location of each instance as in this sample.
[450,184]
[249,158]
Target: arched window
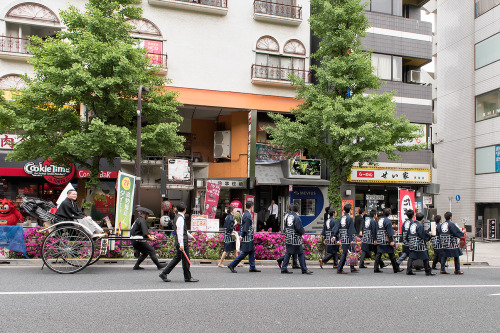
[268,43]
[32,12]
[294,46]
[11,81]
[144,27]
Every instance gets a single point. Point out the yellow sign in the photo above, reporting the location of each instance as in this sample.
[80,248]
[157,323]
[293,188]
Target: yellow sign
[126,183]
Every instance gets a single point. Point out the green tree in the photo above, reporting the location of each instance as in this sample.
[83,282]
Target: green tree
[96,64]
[342,131]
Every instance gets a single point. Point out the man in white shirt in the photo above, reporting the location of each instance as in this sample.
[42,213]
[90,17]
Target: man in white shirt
[273,212]
[181,245]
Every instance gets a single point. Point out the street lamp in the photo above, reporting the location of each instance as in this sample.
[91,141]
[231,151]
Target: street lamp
[138,154]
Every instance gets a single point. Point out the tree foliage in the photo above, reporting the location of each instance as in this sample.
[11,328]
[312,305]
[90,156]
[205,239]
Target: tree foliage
[95,63]
[343,131]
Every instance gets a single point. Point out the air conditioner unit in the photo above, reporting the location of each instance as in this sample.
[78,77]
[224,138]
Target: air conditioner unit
[222,144]
[414,76]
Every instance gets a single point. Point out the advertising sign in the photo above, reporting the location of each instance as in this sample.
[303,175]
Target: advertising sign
[492,228]
[406,202]
[345,202]
[212,198]
[8,141]
[269,154]
[54,174]
[497,158]
[178,171]
[390,175]
[125,202]
[212,225]
[154,50]
[304,169]
[199,222]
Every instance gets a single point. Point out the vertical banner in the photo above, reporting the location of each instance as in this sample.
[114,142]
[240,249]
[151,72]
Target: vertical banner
[251,198]
[252,141]
[211,199]
[125,201]
[497,158]
[154,50]
[406,202]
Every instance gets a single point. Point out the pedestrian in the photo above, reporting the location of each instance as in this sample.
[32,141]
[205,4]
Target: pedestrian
[139,234]
[417,238]
[385,242]
[295,260]
[368,240]
[247,246]
[181,244]
[293,238]
[436,244]
[345,232]
[449,235]
[358,221]
[326,215]
[273,214]
[229,241]
[406,226]
[332,248]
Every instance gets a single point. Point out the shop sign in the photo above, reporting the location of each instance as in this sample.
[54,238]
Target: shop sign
[269,154]
[390,175]
[229,183]
[406,202]
[298,168]
[497,158]
[178,171]
[8,141]
[374,197]
[211,199]
[103,174]
[154,50]
[52,173]
[125,201]
[199,222]
[427,200]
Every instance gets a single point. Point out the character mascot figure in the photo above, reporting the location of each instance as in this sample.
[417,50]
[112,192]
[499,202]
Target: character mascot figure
[9,215]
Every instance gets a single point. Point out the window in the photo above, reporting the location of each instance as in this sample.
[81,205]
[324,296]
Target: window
[307,207]
[268,43]
[482,6]
[487,51]
[391,7]
[488,159]
[488,105]
[388,67]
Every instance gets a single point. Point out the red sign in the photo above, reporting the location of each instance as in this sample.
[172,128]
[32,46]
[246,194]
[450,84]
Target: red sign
[406,202]
[211,199]
[366,174]
[345,202]
[54,174]
[104,174]
[154,49]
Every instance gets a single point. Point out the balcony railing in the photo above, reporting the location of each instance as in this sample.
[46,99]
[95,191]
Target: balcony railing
[158,59]
[13,44]
[277,9]
[277,73]
[214,3]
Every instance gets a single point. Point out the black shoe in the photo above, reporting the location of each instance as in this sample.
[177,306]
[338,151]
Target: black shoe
[164,277]
[280,261]
[160,266]
[399,270]
[286,272]
[433,267]
[430,274]
[295,266]
[307,272]
[362,266]
[231,268]
[410,273]
[191,280]
[377,271]
[254,270]
[138,268]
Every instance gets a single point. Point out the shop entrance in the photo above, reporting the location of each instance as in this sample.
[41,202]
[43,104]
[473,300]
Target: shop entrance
[487,220]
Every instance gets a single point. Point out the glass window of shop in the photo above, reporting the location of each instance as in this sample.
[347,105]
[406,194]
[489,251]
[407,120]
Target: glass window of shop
[307,207]
[487,159]
[392,7]
[487,51]
[482,6]
[488,105]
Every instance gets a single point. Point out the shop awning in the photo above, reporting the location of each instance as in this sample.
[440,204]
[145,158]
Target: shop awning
[311,182]
[268,174]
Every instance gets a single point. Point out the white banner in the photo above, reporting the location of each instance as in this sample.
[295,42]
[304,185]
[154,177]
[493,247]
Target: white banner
[390,175]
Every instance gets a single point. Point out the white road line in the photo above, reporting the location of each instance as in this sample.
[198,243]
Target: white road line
[117,291]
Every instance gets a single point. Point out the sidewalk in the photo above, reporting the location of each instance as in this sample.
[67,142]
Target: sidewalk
[486,251]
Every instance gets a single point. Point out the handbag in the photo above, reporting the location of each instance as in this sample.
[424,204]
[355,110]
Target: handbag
[234,234]
[352,258]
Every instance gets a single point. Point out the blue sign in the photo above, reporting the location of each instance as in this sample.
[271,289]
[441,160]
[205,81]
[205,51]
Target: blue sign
[457,197]
[310,201]
[497,158]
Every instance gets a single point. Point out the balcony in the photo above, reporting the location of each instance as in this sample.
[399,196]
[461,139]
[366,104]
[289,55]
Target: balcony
[276,76]
[277,13]
[216,7]
[159,60]
[14,48]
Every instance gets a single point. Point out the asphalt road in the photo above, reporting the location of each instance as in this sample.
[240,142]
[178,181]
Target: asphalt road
[117,299]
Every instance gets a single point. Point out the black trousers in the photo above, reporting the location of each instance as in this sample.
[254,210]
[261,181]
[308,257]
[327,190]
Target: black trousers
[329,256]
[146,250]
[179,256]
[294,259]
[426,266]
[437,258]
[378,262]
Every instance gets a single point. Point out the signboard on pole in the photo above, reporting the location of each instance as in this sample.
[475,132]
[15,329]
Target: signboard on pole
[212,225]
[212,199]
[199,222]
[125,190]
[406,202]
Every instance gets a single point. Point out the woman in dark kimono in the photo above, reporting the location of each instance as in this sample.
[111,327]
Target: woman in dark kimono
[229,242]
[332,248]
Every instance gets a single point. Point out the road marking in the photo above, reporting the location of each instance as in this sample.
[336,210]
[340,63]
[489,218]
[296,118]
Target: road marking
[117,291]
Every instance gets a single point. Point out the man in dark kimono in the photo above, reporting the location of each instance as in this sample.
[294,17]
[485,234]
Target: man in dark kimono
[359,221]
[417,238]
[449,235]
[368,240]
[293,239]
[139,235]
[405,228]
[436,244]
[344,231]
[385,242]
[294,256]
[332,248]
[247,247]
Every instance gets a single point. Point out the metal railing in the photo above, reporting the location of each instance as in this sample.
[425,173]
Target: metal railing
[159,59]
[277,9]
[13,44]
[277,73]
[213,3]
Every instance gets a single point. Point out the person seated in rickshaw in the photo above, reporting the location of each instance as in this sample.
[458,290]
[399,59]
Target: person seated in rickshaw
[68,210]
